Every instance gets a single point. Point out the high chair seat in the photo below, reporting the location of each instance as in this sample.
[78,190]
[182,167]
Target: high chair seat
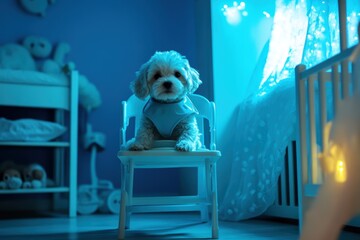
[164,155]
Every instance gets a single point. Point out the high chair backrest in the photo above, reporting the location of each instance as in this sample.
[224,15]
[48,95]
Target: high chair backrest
[132,108]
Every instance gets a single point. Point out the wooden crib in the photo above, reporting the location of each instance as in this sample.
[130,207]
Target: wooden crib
[319,91]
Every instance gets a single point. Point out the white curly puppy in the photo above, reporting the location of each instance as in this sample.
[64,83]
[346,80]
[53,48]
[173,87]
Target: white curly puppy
[169,114]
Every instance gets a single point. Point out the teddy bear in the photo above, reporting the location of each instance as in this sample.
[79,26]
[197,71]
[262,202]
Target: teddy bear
[41,49]
[10,176]
[15,176]
[17,57]
[34,176]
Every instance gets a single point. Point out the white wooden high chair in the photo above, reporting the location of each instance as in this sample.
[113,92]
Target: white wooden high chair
[164,155]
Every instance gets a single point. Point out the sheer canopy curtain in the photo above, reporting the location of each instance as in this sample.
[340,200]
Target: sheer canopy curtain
[303,31]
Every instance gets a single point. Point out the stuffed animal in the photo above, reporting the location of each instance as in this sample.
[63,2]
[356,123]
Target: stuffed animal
[34,176]
[10,176]
[15,56]
[41,49]
[50,60]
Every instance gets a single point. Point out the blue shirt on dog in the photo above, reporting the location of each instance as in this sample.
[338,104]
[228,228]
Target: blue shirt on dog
[165,116]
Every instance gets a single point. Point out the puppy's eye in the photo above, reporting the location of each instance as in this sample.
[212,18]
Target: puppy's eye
[157,76]
[177,74]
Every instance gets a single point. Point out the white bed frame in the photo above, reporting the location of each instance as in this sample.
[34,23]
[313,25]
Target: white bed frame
[58,98]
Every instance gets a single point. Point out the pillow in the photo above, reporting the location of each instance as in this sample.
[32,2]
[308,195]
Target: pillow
[29,130]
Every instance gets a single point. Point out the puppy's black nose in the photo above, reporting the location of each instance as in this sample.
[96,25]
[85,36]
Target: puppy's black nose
[167,85]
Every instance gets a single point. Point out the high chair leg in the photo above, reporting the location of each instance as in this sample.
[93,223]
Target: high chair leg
[214,214]
[122,217]
[204,213]
[215,224]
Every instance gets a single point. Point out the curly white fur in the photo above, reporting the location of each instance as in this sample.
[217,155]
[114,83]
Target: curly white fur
[167,77]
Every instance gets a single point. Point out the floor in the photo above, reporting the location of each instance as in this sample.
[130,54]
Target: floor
[146,226]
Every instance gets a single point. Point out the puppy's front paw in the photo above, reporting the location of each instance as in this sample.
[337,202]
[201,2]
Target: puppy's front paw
[185,146]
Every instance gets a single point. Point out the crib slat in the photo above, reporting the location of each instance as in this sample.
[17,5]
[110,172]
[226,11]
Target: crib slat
[312,134]
[323,115]
[323,121]
[301,164]
[335,82]
[355,76]
[283,185]
[291,174]
[345,78]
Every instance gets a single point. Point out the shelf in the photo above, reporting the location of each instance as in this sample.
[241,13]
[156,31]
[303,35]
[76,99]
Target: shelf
[63,103]
[35,144]
[35,190]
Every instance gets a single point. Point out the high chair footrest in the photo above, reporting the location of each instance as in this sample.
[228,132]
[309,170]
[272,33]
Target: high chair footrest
[166,208]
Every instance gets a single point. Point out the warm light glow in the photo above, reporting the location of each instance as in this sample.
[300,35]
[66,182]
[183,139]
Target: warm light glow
[340,172]
[333,158]
[334,163]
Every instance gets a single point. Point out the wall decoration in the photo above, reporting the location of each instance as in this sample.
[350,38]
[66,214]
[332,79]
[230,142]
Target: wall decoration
[37,7]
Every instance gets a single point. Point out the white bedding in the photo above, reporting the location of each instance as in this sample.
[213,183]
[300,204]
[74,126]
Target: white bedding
[32,77]
[89,96]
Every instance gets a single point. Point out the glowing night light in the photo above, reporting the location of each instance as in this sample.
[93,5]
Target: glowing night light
[340,172]
[234,13]
[232,16]
[334,162]
[333,158]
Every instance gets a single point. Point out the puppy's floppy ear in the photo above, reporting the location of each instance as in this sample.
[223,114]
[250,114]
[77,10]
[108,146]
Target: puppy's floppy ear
[139,86]
[194,75]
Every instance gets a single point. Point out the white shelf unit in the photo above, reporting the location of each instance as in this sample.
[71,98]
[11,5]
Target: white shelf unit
[59,99]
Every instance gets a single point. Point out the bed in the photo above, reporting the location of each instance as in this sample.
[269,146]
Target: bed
[33,89]
[320,90]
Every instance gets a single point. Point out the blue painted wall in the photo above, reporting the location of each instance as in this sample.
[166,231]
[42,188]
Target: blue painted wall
[109,41]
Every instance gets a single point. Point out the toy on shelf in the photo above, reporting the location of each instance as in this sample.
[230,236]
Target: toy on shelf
[34,176]
[36,53]
[14,176]
[10,176]
[100,194]
[52,57]
[17,57]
